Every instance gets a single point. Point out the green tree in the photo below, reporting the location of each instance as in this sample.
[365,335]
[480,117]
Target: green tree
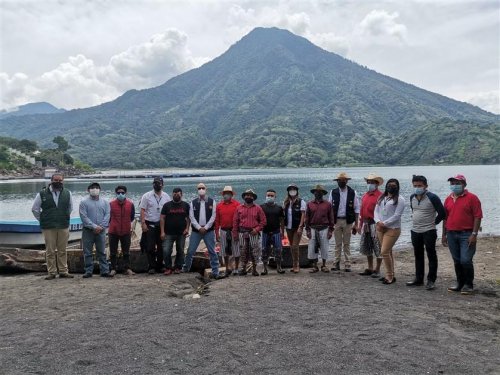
[62,144]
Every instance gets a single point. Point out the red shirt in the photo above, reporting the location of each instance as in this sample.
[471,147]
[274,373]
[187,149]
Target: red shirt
[249,217]
[224,214]
[461,212]
[368,203]
[319,213]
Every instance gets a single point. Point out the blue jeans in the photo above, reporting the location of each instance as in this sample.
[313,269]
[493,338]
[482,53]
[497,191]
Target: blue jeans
[168,246]
[194,241]
[89,238]
[462,254]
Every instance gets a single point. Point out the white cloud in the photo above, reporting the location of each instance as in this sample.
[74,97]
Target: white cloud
[380,24]
[488,100]
[79,82]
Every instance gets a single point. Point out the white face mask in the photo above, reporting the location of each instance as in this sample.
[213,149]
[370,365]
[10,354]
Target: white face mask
[94,192]
[201,192]
[293,193]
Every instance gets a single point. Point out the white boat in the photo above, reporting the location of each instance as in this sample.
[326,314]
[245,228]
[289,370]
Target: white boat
[28,234]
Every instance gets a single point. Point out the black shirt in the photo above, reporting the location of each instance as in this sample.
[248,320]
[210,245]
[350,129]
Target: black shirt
[274,214]
[175,217]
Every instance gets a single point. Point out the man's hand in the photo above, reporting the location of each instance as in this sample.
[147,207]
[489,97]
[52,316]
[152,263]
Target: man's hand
[380,226]
[354,229]
[444,240]
[144,227]
[329,235]
[308,234]
[162,236]
[202,230]
[254,232]
[98,229]
[186,232]
[472,240]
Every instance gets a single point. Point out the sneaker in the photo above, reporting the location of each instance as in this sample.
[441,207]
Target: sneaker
[50,277]
[414,283]
[375,274]
[87,275]
[467,290]
[168,272]
[129,272]
[228,272]
[236,272]
[177,271]
[152,271]
[455,288]
[112,273]
[107,274]
[430,285]
[66,276]
[218,276]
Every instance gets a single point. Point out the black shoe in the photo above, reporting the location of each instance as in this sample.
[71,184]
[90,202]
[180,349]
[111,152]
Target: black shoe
[366,272]
[218,277]
[107,274]
[467,290]
[255,273]
[430,285]
[381,278]
[228,273]
[152,271]
[455,288]
[414,283]
[243,272]
[87,275]
[66,276]
[336,267]
[50,277]
[347,270]
[263,273]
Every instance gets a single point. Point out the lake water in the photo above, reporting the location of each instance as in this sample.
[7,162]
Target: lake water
[16,196]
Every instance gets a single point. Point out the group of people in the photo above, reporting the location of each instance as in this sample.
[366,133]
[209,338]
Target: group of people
[247,231]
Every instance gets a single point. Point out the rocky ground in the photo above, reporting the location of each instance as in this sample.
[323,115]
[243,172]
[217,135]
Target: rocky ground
[322,323]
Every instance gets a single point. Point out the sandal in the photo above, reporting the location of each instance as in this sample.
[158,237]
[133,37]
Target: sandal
[387,282]
[324,269]
[314,270]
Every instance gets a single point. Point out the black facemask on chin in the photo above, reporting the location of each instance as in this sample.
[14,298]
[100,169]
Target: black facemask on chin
[392,189]
[157,186]
[249,200]
[57,185]
[318,195]
[176,199]
[342,184]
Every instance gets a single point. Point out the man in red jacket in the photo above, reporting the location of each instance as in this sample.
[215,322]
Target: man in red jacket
[122,214]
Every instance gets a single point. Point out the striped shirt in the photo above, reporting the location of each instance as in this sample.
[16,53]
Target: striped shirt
[249,217]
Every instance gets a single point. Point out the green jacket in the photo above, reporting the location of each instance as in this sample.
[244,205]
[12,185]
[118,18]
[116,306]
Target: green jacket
[52,216]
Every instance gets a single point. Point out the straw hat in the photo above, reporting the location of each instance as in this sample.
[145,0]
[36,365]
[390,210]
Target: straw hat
[343,175]
[249,191]
[201,185]
[227,189]
[373,176]
[319,188]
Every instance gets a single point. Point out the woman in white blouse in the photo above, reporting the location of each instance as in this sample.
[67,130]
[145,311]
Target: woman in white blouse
[388,211]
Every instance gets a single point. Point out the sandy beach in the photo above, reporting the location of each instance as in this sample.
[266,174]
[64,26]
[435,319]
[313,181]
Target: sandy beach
[324,323]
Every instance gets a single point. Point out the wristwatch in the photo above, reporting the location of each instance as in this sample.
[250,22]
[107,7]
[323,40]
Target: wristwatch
[474,233]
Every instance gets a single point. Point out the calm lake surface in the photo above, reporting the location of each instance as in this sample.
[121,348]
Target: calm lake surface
[16,196]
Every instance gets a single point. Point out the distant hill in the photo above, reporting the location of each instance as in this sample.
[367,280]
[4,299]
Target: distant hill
[31,109]
[272,99]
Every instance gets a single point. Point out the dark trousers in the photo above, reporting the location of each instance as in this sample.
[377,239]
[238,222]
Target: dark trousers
[154,249]
[420,241]
[113,249]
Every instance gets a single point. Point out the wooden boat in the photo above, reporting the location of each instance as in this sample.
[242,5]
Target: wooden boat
[28,234]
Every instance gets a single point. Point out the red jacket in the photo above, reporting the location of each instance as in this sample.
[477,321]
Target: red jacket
[122,215]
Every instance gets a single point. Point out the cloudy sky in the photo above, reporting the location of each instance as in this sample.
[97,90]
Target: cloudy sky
[80,53]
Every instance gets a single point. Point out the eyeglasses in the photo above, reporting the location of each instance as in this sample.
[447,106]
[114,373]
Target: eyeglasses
[120,193]
[201,188]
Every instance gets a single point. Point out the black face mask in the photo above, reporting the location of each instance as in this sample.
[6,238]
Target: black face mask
[392,189]
[249,200]
[157,186]
[176,199]
[318,195]
[342,184]
[57,185]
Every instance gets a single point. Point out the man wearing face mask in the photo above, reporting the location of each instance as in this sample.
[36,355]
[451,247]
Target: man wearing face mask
[428,211]
[249,220]
[460,229]
[223,229]
[319,227]
[369,244]
[121,216]
[174,225]
[295,211]
[273,231]
[345,204]
[52,208]
[151,204]
[95,214]
[202,213]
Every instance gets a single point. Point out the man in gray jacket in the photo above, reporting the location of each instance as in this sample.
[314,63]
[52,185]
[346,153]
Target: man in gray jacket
[95,213]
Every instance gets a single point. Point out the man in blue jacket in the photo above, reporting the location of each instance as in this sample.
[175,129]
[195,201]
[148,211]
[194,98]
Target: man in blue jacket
[428,211]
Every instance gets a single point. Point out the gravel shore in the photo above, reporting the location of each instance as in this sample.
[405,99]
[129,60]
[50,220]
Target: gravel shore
[324,323]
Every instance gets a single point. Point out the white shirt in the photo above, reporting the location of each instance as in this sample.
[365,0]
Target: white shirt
[152,205]
[37,204]
[343,201]
[203,219]
[389,213]
[303,208]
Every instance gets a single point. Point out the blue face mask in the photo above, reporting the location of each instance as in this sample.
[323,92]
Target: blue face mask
[270,199]
[120,197]
[419,190]
[372,187]
[457,189]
